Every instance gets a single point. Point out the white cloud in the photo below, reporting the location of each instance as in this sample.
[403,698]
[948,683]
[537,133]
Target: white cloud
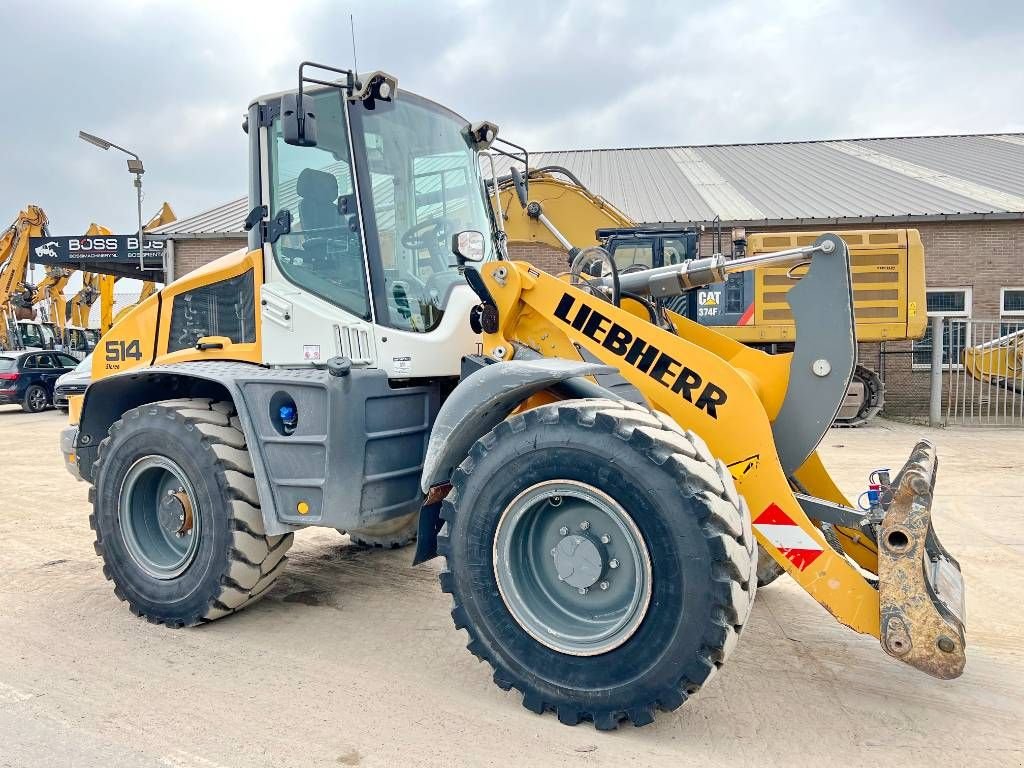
[172,79]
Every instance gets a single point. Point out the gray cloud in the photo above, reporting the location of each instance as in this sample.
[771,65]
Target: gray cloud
[172,80]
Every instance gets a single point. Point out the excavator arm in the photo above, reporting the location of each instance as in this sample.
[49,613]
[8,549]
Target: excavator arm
[16,296]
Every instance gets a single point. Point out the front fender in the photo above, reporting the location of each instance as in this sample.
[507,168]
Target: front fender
[483,399]
[478,404]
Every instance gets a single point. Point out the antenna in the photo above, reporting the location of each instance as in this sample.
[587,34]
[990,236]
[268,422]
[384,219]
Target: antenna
[352,26]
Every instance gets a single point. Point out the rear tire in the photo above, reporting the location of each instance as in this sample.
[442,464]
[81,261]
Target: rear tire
[390,534]
[177,516]
[35,399]
[691,527]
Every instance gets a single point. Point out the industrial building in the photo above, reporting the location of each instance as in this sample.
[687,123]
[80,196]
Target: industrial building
[965,194]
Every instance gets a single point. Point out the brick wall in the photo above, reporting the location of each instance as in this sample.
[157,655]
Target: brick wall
[192,254]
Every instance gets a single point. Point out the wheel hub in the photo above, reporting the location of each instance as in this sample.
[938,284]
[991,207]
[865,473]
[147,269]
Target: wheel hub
[157,516]
[572,567]
[578,561]
[175,512]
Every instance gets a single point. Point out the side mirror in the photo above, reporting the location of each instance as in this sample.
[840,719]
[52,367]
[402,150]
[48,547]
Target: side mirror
[468,246]
[298,120]
[520,185]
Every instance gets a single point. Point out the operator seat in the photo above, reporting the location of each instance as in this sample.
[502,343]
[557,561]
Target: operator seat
[318,199]
[329,244]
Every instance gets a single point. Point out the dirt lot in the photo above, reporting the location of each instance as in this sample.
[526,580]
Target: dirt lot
[353,660]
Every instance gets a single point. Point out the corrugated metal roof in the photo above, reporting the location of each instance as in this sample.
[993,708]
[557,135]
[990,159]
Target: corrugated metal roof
[227,218]
[811,181]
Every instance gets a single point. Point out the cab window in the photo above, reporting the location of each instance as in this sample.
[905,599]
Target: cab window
[323,252]
[638,255]
[674,250]
[31,336]
[425,188]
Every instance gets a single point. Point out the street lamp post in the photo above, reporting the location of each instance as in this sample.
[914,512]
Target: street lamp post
[134,166]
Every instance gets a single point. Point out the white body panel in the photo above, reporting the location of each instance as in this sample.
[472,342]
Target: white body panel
[438,353]
[300,328]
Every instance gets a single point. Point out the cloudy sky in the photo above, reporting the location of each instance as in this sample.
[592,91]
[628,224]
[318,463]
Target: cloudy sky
[171,80]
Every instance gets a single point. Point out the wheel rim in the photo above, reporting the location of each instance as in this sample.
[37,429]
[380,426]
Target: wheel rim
[159,517]
[37,399]
[572,567]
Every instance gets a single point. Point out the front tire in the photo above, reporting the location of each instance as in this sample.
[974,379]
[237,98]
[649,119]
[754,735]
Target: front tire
[177,516]
[647,495]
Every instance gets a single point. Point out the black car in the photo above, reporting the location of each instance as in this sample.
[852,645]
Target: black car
[27,378]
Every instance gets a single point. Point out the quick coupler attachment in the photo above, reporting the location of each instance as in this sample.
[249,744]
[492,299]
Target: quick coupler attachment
[921,589]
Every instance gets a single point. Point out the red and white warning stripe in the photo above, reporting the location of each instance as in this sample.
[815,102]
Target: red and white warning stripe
[789,538]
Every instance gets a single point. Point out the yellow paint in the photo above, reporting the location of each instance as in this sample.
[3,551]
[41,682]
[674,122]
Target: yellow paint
[887,267]
[224,268]
[741,428]
[75,408]
[575,211]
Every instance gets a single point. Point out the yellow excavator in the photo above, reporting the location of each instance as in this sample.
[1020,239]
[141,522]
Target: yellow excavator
[551,207]
[596,483]
[999,362]
[16,295]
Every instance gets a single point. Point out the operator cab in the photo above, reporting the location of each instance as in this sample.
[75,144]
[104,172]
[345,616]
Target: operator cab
[363,189]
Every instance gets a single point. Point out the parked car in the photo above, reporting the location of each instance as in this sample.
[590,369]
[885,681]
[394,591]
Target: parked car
[73,383]
[28,378]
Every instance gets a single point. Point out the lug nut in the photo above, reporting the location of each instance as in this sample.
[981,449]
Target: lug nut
[613,563]
[584,525]
[605,538]
[563,531]
[603,585]
[555,501]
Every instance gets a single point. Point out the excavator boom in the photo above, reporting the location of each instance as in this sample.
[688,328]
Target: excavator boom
[16,296]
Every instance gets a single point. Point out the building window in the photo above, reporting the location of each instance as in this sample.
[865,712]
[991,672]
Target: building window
[954,304]
[1011,315]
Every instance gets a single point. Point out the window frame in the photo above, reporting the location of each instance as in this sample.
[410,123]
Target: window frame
[271,150]
[964,314]
[1003,311]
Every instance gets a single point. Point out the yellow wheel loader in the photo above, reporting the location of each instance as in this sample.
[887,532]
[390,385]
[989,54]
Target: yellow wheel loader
[596,484]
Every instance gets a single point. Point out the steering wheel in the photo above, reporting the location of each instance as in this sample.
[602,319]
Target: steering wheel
[428,235]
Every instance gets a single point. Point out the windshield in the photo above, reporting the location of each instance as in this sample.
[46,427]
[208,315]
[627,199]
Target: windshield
[425,187]
[7,364]
[31,335]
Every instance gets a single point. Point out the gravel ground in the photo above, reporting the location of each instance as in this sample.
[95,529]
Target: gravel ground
[353,660]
